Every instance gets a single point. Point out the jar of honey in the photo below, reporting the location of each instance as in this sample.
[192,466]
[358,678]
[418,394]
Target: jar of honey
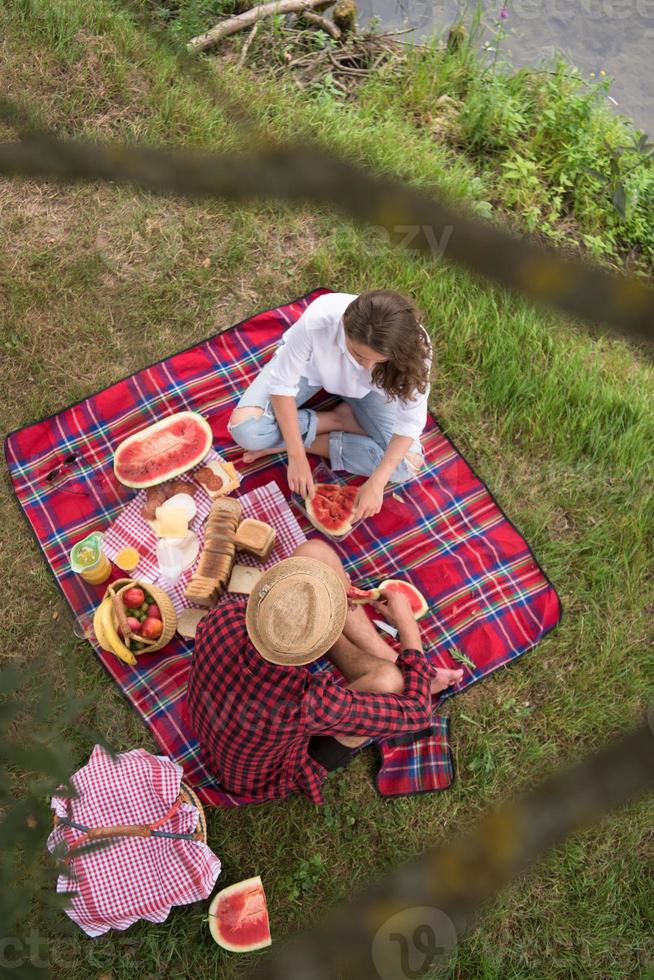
[88,559]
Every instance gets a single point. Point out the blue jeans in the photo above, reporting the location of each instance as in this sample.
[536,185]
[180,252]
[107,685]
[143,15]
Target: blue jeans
[347,451]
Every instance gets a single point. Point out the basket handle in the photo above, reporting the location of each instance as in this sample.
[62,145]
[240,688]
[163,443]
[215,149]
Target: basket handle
[125,830]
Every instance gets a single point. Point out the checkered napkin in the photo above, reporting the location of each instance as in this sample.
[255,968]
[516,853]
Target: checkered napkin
[130,878]
[130,529]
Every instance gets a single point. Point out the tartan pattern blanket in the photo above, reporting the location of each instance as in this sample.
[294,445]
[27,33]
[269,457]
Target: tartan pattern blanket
[489,599]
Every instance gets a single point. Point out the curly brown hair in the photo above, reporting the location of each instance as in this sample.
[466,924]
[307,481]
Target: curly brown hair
[389,323]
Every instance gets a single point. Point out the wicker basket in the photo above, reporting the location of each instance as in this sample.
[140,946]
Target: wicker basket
[186,795]
[166,608]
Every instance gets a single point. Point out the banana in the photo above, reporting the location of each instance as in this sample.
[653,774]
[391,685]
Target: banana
[107,626]
[98,628]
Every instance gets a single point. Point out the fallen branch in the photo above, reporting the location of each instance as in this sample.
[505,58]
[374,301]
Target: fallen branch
[345,68]
[232,25]
[246,46]
[323,23]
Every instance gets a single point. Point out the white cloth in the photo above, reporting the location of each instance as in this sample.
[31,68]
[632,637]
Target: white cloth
[314,348]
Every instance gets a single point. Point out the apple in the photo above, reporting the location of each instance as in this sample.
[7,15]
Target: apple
[134,597]
[133,623]
[152,628]
[153,611]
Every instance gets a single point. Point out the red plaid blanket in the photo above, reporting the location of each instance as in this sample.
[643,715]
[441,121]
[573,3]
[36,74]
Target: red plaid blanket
[488,597]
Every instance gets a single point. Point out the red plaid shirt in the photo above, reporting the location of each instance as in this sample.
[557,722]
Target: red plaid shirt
[254,719]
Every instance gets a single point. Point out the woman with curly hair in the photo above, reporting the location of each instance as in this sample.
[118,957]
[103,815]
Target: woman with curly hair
[370,350]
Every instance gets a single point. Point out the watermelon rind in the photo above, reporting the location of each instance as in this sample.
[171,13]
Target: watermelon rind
[344,528]
[214,916]
[424,608]
[171,472]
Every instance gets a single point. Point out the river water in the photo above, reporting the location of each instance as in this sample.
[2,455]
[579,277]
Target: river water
[614,36]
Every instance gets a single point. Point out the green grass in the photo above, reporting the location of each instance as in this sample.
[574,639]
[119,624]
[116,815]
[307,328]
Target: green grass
[96,282]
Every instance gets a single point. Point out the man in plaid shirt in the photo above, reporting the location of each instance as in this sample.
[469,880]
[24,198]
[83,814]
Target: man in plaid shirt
[266,725]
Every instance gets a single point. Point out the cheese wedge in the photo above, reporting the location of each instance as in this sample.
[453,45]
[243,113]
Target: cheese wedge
[171,522]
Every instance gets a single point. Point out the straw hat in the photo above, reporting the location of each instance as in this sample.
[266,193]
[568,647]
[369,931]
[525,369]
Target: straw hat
[296,611]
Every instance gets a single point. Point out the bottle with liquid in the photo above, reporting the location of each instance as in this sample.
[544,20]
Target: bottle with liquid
[169,559]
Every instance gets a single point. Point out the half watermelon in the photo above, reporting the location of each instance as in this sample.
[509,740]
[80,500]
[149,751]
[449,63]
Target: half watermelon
[238,917]
[163,450]
[331,508]
[418,602]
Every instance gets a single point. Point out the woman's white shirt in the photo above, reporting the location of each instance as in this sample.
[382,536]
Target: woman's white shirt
[314,348]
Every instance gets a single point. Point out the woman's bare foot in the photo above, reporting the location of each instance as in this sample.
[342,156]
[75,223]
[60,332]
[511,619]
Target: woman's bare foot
[339,419]
[445,678]
[252,455]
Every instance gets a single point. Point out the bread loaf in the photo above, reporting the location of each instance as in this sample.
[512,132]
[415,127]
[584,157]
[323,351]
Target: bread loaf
[256,538]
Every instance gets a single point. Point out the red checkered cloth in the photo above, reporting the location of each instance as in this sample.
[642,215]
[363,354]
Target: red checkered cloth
[419,763]
[488,597]
[130,529]
[129,878]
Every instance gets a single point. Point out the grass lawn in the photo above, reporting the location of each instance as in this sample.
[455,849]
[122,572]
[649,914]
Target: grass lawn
[98,281]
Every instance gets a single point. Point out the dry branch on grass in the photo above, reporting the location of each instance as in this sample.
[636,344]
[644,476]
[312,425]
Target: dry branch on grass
[232,25]
[347,65]
[246,46]
[323,23]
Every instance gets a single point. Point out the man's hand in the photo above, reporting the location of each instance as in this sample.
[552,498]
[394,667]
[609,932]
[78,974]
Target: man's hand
[395,608]
[369,499]
[299,476]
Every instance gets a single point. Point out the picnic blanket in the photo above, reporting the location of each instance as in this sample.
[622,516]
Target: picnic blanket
[489,599]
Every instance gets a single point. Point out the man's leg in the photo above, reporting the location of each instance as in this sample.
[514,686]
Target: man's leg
[358,629]
[360,645]
[364,659]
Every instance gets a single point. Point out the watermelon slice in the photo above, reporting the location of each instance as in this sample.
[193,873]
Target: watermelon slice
[418,602]
[163,450]
[361,596]
[331,507]
[238,917]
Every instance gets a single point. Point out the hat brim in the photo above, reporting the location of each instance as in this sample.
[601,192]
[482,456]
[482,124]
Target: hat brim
[338,598]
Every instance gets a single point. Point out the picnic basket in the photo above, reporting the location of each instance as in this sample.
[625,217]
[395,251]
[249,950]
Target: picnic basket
[186,795]
[166,608]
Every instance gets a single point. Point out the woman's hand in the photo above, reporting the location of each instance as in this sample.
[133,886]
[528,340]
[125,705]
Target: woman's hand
[299,476]
[369,499]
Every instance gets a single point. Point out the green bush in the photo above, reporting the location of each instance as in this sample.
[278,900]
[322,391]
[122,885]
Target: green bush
[553,152]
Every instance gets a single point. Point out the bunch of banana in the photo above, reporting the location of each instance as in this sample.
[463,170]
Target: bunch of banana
[107,634]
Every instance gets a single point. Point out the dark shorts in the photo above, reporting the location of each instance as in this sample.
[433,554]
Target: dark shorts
[330,753]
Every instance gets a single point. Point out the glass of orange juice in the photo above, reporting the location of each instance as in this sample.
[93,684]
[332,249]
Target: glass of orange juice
[127,559]
[88,559]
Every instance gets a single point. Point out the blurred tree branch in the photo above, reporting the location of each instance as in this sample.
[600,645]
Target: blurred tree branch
[307,173]
[460,875]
